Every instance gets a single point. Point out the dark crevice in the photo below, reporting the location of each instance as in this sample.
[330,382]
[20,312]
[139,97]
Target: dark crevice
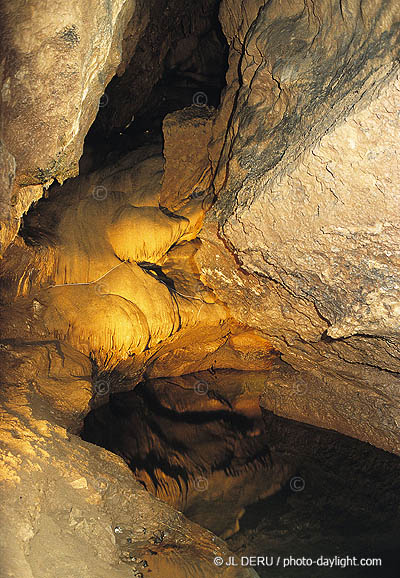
[157,81]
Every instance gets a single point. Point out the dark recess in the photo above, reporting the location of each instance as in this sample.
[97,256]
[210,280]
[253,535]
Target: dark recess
[183,52]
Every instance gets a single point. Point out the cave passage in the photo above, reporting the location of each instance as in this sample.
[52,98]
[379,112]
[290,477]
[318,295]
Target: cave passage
[179,63]
[200,236]
[267,484]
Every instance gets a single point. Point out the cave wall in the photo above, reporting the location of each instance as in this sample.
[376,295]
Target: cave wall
[106,263]
[69,506]
[301,245]
[56,64]
[303,239]
[64,503]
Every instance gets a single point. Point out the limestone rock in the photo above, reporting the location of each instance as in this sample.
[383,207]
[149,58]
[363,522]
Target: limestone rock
[187,168]
[112,273]
[68,504]
[56,66]
[303,240]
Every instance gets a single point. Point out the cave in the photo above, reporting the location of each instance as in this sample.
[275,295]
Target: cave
[200,289]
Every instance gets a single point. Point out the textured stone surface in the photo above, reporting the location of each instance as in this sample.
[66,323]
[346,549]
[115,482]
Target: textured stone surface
[187,168]
[295,70]
[112,273]
[329,228]
[8,228]
[301,245]
[308,203]
[68,506]
[56,65]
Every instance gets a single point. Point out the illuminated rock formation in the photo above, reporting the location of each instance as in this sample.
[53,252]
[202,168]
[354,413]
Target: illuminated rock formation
[66,504]
[265,225]
[53,77]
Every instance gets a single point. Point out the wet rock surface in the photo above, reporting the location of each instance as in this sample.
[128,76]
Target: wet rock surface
[64,498]
[341,503]
[306,222]
[71,507]
[197,442]
[115,276]
[273,487]
[104,266]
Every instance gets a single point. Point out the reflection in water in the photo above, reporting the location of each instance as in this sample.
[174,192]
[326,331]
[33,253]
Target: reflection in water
[201,449]
[201,443]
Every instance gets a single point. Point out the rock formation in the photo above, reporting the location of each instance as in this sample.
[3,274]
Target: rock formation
[260,235]
[220,458]
[307,219]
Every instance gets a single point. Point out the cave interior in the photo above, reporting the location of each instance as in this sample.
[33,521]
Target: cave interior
[200,344]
